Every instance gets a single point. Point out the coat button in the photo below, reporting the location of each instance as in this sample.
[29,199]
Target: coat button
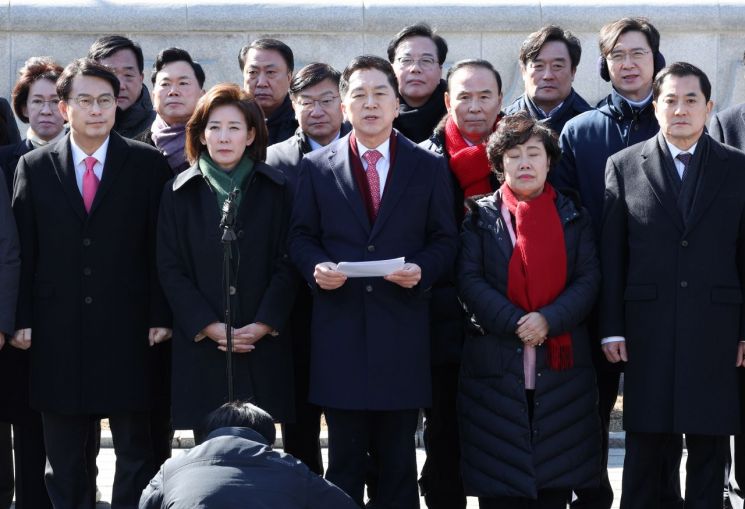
[519,350]
[87,271]
[368,289]
[88,300]
[684,284]
[370,248]
[232,290]
[539,374]
[684,243]
[86,242]
[537,403]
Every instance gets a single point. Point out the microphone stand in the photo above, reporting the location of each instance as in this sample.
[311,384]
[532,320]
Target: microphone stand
[227,225]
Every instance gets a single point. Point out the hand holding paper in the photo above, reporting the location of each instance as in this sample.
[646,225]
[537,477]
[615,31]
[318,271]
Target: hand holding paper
[376,268]
[407,277]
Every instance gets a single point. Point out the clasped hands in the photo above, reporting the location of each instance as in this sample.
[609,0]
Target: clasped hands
[532,329]
[328,278]
[243,338]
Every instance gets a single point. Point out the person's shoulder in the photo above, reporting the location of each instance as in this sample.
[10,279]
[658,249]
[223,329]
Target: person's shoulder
[516,106]
[284,153]
[274,175]
[732,115]
[136,146]
[320,157]
[632,155]
[417,150]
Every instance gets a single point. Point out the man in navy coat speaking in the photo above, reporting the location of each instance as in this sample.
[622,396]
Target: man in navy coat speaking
[372,195]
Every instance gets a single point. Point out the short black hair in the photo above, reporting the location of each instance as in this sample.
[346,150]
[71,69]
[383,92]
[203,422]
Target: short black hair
[367,62]
[474,62]
[313,74]
[681,69]
[610,33]
[532,46]
[106,46]
[85,67]
[515,130]
[170,55]
[240,414]
[419,30]
[268,44]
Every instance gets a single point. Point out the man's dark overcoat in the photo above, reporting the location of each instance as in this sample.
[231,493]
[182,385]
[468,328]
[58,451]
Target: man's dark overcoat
[674,289]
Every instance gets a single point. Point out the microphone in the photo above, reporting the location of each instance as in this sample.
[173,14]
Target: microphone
[228,217]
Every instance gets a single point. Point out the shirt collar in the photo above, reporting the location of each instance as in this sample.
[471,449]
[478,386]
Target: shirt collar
[314,145]
[674,151]
[78,155]
[384,148]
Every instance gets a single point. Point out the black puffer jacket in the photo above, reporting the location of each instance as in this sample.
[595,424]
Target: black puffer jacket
[503,453]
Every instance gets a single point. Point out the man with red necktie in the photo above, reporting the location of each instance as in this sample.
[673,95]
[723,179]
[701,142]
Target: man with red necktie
[372,195]
[86,210]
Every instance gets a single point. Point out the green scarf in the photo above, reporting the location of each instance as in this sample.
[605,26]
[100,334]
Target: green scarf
[223,182]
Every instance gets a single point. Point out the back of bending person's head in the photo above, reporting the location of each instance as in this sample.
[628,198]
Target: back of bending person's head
[238,414]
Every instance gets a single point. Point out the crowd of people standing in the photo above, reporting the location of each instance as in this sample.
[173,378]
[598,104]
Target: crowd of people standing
[151,241]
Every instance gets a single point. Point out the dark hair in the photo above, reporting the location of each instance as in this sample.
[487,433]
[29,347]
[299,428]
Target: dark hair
[268,44]
[238,414]
[313,74]
[681,69]
[515,130]
[418,30]
[367,62]
[474,62]
[610,33]
[226,94]
[170,55]
[35,69]
[532,46]
[106,46]
[85,67]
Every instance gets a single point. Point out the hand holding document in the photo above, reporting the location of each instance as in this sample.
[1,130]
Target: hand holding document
[377,268]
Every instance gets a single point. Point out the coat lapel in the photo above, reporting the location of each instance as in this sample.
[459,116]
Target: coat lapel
[116,156]
[341,167]
[653,167]
[65,170]
[713,173]
[403,168]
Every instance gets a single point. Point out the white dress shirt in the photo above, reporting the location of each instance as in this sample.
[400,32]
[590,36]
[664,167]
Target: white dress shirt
[383,165]
[78,159]
[674,151]
[314,145]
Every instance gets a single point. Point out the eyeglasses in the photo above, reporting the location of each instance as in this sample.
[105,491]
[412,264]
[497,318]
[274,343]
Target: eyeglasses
[307,104]
[104,101]
[425,63]
[618,57]
[38,104]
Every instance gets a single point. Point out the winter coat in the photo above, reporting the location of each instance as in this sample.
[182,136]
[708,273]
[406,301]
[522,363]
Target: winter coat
[190,263]
[503,453]
[572,106]
[131,122]
[236,467]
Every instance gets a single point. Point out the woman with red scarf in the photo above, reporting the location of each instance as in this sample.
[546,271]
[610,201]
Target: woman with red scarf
[528,274]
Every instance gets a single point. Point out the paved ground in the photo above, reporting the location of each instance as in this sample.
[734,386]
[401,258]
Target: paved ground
[106,473]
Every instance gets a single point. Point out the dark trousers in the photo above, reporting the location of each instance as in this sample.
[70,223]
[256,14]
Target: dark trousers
[161,428]
[547,499]
[30,462]
[68,475]
[646,454]
[441,483]
[391,436]
[6,466]
[601,497]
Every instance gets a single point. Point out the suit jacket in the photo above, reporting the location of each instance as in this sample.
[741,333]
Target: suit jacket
[9,156]
[728,126]
[89,286]
[674,290]
[370,337]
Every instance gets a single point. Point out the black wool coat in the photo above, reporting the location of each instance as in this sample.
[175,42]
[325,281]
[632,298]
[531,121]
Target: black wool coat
[190,257]
[728,126]
[503,454]
[674,290]
[89,288]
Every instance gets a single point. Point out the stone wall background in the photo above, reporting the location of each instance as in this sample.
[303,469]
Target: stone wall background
[709,34]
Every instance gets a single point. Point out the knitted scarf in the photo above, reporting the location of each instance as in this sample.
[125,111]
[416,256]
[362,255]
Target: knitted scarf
[538,266]
[170,140]
[469,164]
[223,182]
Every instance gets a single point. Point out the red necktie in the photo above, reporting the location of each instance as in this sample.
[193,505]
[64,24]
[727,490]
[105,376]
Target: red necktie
[90,183]
[373,178]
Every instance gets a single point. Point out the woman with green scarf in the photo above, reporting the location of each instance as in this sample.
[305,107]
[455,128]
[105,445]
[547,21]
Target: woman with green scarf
[226,141]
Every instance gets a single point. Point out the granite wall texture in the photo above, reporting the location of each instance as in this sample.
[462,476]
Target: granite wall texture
[710,34]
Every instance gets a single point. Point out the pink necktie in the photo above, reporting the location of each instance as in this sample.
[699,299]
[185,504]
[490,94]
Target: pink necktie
[90,183]
[373,178]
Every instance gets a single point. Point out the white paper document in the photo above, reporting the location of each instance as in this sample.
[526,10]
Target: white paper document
[377,268]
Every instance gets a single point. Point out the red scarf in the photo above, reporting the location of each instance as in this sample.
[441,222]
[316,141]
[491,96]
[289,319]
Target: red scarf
[538,266]
[469,163]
